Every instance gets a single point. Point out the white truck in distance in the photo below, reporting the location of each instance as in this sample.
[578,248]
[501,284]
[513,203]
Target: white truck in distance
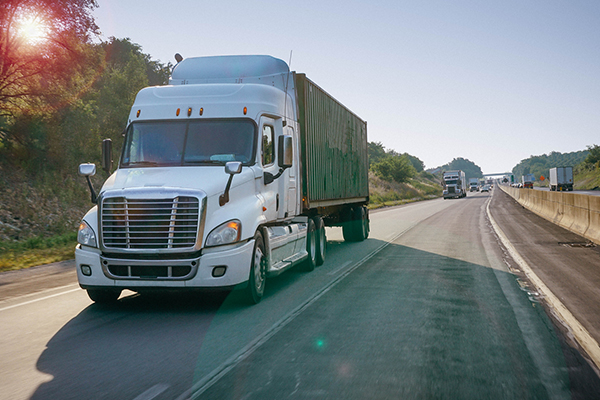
[227,176]
[455,184]
[473,184]
[561,178]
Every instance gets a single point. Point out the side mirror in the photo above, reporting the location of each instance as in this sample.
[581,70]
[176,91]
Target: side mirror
[88,170]
[107,155]
[286,151]
[233,167]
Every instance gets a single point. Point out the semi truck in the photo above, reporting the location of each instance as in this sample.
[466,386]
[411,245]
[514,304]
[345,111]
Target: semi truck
[455,184]
[227,176]
[561,178]
[473,184]
[527,181]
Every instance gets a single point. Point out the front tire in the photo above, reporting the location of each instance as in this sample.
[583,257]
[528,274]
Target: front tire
[257,278]
[311,247]
[103,296]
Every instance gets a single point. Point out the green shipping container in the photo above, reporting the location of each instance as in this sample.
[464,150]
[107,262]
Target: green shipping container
[335,164]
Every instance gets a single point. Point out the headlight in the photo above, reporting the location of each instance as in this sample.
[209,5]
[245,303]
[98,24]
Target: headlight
[86,235]
[227,233]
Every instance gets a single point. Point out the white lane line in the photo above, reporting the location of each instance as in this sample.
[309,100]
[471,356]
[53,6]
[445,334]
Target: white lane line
[153,392]
[335,271]
[583,337]
[212,377]
[40,299]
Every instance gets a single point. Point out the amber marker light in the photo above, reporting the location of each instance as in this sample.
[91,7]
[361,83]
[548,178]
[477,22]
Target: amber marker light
[189,111]
[201,110]
[245,110]
[137,115]
[178,111]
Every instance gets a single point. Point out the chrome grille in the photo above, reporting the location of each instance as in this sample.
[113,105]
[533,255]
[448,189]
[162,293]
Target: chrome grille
[150,224]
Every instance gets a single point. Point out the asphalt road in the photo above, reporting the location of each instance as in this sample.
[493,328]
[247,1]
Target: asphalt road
[427,307]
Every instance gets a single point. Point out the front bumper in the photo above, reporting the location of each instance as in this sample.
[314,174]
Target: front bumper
[188,273]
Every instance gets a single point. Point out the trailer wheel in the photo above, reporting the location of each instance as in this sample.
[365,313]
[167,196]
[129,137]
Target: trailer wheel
[311,247]
[103,296]
[321,240]
[356,229]
[257,278]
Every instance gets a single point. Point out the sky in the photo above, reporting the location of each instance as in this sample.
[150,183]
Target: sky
[490,81]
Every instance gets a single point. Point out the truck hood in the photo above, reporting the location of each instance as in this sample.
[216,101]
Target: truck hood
[211,180]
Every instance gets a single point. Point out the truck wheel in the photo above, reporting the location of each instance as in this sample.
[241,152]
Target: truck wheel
[257,278]
[103,296]
[362,215]
[321,240]
[356,229]
[311,247]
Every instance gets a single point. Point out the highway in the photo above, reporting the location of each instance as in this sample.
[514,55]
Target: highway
[432,305]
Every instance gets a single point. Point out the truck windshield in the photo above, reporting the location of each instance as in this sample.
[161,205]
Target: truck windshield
[451,182]
[173,143]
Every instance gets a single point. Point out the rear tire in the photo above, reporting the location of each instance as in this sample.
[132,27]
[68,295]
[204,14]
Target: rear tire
[257,278]
[103,296]
[321,240]
[356,229]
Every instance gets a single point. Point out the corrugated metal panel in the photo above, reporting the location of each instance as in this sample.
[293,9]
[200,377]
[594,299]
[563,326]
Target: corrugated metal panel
[334,148]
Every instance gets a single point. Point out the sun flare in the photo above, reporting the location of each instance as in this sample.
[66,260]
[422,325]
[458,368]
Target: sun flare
[32,29]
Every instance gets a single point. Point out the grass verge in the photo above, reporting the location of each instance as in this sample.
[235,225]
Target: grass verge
[36,251]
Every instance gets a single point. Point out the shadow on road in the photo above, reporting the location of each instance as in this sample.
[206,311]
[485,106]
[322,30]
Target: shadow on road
[423,319]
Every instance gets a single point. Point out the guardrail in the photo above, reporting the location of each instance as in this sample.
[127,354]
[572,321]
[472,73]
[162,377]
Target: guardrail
[578,213]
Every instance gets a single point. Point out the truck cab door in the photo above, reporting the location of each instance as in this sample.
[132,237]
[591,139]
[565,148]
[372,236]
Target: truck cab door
[268,162]
[288,182]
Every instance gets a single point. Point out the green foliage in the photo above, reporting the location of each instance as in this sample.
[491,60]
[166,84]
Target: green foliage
[540,165]
[394,168]
[416,162]
[58,138]
[470,169]
[376,152]
[593,158]
[33,72]
[390,165]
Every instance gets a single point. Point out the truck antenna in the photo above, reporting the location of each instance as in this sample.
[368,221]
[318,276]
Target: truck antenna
[286,90]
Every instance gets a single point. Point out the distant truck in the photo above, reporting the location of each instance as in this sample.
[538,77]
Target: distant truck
[473,184]
[455,184]
[561,179]
[527,181]
[227,176]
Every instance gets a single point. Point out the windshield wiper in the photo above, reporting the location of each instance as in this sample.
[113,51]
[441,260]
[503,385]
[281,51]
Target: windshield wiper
[210,162]
[142,164]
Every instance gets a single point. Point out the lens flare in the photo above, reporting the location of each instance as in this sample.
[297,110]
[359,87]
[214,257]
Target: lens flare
[32,29]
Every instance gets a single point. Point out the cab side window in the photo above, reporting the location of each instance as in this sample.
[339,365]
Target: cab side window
[268,145]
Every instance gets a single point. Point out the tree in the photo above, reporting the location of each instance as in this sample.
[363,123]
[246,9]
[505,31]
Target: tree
[376,152]
[40,41]
[416,162]
[394,168]
[593,158]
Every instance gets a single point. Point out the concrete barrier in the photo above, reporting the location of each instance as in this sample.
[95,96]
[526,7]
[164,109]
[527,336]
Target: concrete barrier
[578,213]
[593,231]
